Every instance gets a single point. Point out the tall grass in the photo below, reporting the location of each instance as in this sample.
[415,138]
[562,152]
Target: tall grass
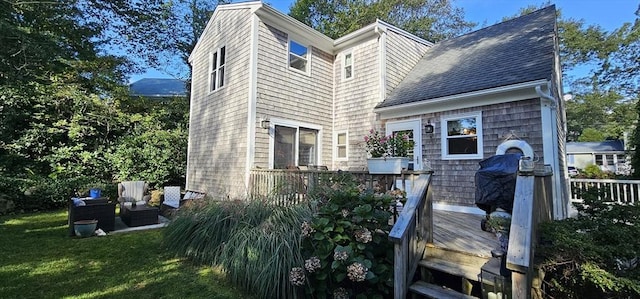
[255,242]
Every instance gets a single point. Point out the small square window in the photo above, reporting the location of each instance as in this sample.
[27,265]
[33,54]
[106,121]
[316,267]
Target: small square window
[298,56]
[462,137]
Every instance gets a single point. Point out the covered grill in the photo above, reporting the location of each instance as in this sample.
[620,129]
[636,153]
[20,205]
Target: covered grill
[496,182]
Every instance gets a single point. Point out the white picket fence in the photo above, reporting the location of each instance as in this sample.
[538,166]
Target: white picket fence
[621,191]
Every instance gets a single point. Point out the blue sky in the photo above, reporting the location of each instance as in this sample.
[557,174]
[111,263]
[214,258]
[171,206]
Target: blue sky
[608,14]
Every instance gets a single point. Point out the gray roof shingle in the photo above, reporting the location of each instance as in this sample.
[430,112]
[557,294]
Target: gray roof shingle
[515,51]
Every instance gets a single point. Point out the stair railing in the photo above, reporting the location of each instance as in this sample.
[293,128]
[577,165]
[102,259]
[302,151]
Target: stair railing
[411,233]
[532,204]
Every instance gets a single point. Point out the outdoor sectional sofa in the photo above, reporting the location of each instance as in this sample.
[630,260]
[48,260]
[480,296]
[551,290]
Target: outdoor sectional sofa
[100,209]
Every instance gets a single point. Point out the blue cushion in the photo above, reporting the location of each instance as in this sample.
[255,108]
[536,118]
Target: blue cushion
[78,202]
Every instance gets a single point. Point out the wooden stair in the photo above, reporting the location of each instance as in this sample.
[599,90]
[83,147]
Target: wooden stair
[457,263]
[435,291]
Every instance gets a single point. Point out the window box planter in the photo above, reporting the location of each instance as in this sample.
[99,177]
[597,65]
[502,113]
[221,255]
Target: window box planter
[388,165]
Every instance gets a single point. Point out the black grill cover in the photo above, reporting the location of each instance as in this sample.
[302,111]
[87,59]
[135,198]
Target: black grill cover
[496,182]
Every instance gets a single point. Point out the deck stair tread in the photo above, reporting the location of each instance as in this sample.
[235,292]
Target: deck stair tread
[467,271]
[435,291]
[453,262]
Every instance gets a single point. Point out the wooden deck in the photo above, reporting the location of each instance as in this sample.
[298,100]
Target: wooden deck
[461,232]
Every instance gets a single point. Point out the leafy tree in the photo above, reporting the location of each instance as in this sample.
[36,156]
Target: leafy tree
[65,112]
[591,134]
[433,20]
[166,30]
[609,93]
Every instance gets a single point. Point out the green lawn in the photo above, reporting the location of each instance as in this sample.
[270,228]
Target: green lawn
[39,260]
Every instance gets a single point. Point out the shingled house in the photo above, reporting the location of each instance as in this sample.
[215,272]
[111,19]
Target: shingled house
[270,92]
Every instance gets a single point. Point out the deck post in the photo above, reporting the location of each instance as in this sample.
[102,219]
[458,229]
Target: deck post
[401,262]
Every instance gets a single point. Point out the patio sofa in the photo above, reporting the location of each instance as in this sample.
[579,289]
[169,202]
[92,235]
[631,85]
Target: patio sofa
[100,209]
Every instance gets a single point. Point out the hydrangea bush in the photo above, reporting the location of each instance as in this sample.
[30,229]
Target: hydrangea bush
[346,248]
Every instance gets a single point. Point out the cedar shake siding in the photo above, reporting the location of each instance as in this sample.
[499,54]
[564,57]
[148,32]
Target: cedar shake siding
[355,99]
[453,182]
[217,147]
[403,53]
[286,94]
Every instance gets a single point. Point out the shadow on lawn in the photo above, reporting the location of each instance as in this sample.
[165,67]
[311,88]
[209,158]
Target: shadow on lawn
[41,261]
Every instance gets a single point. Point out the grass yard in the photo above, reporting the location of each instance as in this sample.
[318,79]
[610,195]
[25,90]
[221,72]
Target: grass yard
[39,260]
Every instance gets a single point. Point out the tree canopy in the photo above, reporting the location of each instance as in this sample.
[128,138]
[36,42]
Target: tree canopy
[433,20]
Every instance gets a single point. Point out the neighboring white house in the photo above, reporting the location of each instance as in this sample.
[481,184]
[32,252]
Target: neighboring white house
[609,155]
[270,92]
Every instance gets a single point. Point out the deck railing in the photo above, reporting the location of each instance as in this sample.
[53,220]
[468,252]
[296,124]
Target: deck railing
[411,233]
[620,191]
[532,205]
[291,186]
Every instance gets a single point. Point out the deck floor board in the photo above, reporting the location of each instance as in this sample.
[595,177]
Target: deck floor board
[462,232]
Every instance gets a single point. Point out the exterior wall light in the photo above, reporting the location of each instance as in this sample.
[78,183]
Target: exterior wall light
[265,123]
[428,128]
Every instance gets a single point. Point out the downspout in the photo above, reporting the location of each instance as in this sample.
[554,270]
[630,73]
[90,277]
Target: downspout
[560,201]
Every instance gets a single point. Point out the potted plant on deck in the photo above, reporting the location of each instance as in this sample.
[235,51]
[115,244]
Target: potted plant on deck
[389,154]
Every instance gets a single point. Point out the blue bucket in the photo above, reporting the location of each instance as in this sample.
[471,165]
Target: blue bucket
[94,193]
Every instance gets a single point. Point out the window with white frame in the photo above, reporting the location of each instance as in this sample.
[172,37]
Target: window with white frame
[298,56]
[347,72]
[217,61]
[341,146]
[462,136]
[294,146]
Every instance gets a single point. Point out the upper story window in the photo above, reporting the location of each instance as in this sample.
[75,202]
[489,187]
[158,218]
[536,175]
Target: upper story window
[462,136]
[341,146]
[217,61]
[298,56]
[347,70]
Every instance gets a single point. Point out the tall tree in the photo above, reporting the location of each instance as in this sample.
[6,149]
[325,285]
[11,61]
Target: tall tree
[433,20]
[164,35]
[607,94]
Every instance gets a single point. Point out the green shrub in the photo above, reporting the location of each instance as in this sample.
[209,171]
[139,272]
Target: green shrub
[595,255]
[346,247]
[594,172]
[45,193]
[256,243]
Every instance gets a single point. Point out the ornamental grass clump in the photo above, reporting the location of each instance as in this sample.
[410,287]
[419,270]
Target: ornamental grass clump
[255,242]
[397,144]
[346,248]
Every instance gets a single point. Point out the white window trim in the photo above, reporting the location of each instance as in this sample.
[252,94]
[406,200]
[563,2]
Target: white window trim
[308,57]
[335,147]
[344,65]
[443,139]
[218,67]
[273,122]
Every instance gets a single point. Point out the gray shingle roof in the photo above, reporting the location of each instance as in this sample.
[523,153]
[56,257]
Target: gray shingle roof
[595,147]
[158,88]
[516,51]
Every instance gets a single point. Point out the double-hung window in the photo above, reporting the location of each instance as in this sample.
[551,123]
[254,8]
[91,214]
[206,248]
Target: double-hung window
[298,56]
[347,72]
[462,136]
[341,150]
[217,61]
